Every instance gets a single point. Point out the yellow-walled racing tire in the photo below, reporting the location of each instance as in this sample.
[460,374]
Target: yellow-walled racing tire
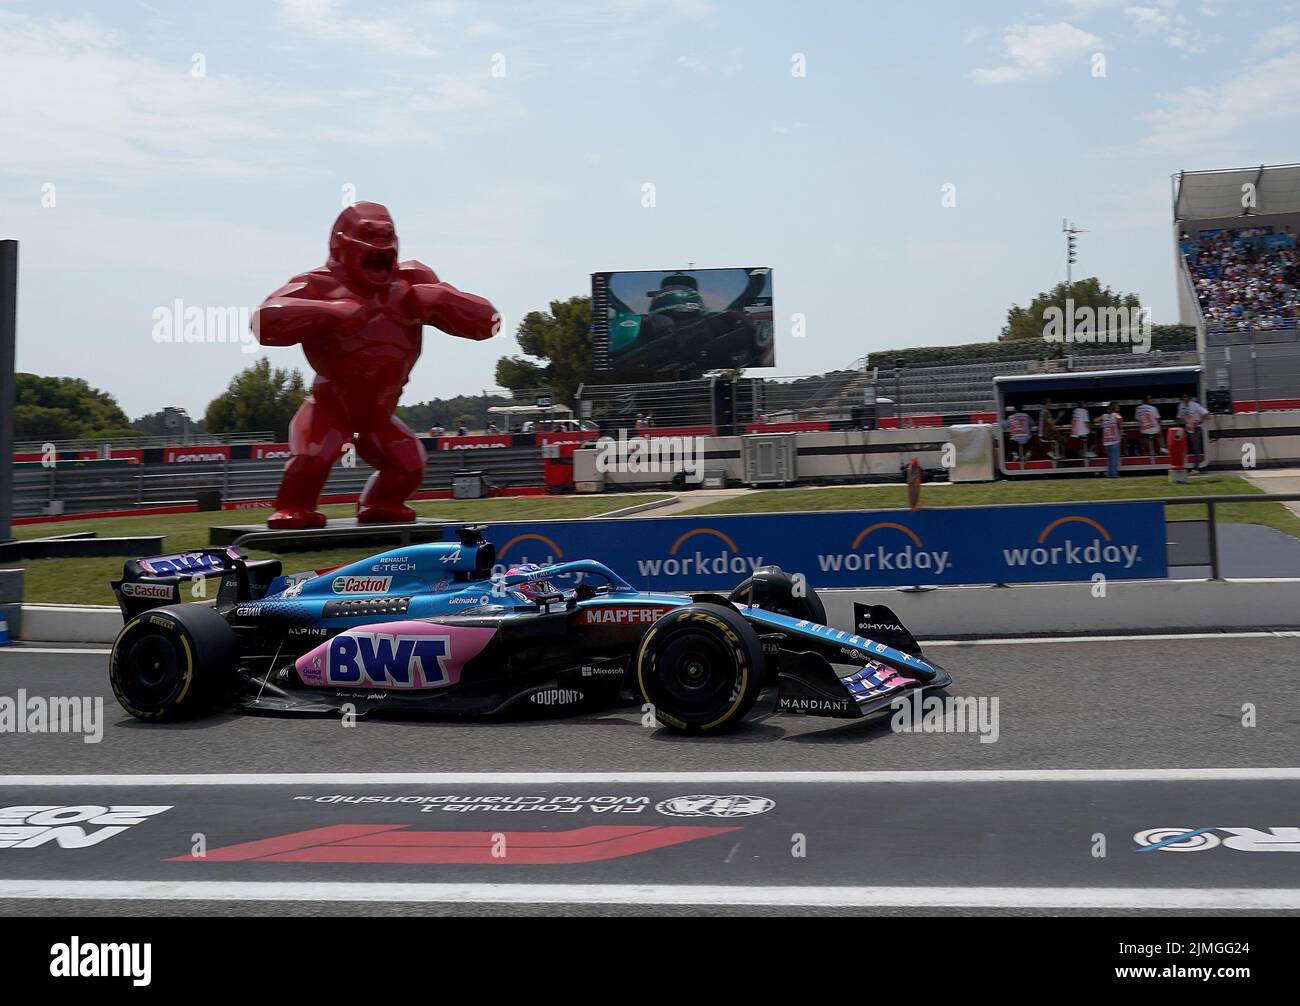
[700,667]
[173,663]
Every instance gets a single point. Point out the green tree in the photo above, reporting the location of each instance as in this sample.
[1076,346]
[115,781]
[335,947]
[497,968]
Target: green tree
[472,410]
[561,340]
[1028,322]
[156,424]
[257,398]
[63,408]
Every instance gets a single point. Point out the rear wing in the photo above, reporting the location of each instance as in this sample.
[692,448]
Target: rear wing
[183,576]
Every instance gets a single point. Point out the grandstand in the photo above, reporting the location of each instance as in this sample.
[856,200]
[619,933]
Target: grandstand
[1238,274]
[928,394]
[957,392]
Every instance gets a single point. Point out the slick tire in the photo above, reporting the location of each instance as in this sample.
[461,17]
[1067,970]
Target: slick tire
[173,663]
[773,589]
[700,667]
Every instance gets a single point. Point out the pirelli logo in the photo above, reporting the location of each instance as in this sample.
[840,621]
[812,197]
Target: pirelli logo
[622,615]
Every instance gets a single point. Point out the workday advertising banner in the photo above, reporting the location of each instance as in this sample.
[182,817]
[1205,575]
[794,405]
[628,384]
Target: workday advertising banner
[860,548]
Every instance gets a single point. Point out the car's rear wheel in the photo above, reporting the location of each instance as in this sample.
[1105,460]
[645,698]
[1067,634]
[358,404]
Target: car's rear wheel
[700,667]
[773,589]
[173,663]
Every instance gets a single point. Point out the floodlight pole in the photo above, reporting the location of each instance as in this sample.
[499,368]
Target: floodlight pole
[1070,230]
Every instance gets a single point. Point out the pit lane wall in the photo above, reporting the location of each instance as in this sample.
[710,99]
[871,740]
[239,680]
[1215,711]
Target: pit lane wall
[1138,606]
[1143,606]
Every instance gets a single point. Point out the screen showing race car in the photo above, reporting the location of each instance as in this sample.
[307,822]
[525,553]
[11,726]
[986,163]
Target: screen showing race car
[682,320]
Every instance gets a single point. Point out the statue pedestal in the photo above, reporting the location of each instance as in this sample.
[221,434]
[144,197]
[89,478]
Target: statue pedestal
[338,533]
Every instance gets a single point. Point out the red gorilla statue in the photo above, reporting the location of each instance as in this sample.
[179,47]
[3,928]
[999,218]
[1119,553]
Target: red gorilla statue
[358,318]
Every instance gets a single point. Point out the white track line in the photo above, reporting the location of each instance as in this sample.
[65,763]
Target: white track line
[51,649]
[1007,641]
[665,778]
[1152,898]
[1149,637]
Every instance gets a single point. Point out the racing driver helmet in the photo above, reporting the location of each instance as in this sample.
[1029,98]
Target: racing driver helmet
[531,588]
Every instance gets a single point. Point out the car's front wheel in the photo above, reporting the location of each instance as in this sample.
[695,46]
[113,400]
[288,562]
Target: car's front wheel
[173,663]
[700,667]
[773,589]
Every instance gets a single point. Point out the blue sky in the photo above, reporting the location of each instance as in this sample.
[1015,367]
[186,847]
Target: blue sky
[216,187]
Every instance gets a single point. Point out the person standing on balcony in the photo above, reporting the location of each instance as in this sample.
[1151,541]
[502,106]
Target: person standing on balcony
[1148,420]
[1081,428]
[1018,430]
[1192,415]
[1112,425]
[1049,429]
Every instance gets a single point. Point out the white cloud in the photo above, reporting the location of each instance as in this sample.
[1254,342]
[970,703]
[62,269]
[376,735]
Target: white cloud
[325,20]
[1188,43]
[1283,36]
[89,106]
[1197,117]
[1083,8]
[1038,51]
[1154,20]
[485,29]
[727,64]
[1148,18]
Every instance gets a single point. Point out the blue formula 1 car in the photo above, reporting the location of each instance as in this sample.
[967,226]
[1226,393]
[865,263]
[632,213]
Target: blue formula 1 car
[440,629]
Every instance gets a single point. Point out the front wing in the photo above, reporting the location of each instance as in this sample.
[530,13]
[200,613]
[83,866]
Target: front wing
[823,671]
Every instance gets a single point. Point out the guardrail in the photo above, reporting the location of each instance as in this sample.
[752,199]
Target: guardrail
[96,486]
[144,440]
[1212,527]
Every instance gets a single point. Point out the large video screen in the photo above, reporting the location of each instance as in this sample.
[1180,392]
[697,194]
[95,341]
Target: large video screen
[649,322]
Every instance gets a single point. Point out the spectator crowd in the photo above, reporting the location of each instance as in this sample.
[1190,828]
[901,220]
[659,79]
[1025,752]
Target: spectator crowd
[1245,278]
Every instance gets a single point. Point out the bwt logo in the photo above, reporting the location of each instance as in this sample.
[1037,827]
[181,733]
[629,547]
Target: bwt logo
[912,555]
[390,659]
[727,560]
[1101,551]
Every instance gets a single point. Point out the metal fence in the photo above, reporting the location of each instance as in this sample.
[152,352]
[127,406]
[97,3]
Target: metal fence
[103,444]
[1194,550]
[124,486]
[1256,366]
[670,403]
[800,399]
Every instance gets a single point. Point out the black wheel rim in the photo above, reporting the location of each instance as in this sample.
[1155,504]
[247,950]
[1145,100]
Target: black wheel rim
[151,672]
[696,671]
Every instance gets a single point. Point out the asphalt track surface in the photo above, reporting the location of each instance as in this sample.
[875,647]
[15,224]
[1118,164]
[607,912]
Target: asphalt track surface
[879,822]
